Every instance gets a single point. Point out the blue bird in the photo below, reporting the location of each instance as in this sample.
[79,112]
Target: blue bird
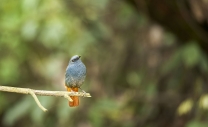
[74,77]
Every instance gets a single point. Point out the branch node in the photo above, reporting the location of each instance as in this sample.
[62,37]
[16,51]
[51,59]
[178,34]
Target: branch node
[68,97]
[36,100]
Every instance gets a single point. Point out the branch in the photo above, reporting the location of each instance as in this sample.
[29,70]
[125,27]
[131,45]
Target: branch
[33,93]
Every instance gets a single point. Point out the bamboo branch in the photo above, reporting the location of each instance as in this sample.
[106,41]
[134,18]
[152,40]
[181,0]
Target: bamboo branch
[33,93]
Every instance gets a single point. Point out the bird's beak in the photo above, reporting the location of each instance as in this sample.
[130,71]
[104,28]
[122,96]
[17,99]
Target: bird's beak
[79,56]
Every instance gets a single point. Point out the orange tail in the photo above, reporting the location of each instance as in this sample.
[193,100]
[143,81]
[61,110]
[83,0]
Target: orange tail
[74,98]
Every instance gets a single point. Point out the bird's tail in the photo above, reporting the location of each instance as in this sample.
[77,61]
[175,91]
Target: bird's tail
[74,98]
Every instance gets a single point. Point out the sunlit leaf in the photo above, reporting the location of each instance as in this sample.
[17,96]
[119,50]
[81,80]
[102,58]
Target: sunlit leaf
[185,107]
[203,102]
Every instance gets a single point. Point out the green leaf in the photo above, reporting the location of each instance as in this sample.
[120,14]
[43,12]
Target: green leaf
[197,124]
[134,78]
[191,54]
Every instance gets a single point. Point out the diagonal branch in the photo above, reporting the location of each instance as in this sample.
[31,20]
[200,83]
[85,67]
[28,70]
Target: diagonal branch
[33,93]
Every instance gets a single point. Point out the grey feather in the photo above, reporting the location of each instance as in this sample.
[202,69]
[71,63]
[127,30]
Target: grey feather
[75,72]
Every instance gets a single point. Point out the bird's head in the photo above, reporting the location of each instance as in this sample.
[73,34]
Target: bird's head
[75,59]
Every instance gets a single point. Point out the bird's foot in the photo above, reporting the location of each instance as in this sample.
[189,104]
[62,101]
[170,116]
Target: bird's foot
[72,91]
[84,93]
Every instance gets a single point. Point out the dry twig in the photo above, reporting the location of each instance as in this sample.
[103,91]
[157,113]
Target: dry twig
[33,93]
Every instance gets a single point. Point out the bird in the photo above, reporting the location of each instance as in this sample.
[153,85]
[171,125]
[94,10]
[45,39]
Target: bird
[74,77]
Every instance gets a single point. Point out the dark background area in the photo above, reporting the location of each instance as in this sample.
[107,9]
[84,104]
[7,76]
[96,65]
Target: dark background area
[146,62]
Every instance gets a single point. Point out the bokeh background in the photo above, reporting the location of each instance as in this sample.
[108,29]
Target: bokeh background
[146,62]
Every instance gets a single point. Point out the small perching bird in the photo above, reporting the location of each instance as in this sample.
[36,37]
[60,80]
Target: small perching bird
[74,77]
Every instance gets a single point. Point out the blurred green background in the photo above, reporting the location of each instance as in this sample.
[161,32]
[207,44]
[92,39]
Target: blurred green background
[146,62]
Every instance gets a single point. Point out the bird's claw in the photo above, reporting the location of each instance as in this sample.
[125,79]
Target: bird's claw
[72,91]
[84,93]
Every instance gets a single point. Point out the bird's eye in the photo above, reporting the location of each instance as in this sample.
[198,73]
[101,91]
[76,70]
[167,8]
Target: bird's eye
[75,59]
